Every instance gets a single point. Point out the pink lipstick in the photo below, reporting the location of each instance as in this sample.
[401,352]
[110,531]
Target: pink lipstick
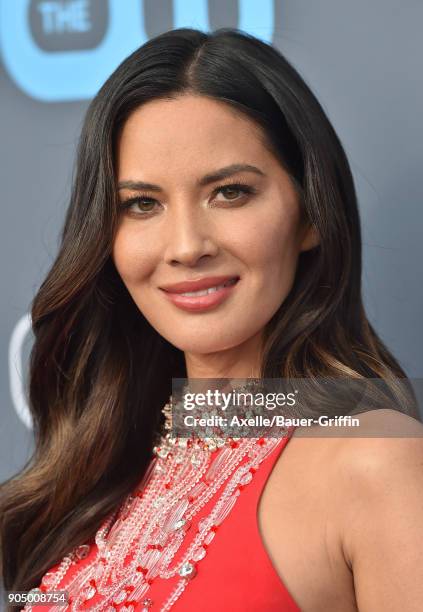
[201,294]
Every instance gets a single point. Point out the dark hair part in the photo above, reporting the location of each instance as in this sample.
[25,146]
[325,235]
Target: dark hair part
[99,373]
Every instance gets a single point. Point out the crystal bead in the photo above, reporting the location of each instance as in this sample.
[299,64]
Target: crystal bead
[203,523]
[179,524]
[187,570]
[99,570]
[211,445]
[90,591]
[121,596]
[152,558]
[199,488]
[48,580]
[147,603]
[195,460]
[140,590]
[175,515]
[217,463]
[159,501]
[246,478]
[209,537]
[226,508]
[82,551]
[199,553]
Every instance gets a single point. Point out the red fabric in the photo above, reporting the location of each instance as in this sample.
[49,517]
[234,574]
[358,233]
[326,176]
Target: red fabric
[236,575]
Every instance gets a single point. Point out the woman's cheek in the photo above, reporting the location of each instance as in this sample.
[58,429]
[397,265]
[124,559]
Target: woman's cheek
[130,256]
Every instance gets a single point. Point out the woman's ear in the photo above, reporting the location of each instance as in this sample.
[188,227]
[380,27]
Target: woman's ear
[310,238]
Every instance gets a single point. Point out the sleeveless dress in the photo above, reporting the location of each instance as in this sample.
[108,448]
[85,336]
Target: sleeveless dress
[236,574]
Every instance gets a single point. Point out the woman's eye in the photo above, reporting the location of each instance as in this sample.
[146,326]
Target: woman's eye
[235,190]
[137,205]
[228,192]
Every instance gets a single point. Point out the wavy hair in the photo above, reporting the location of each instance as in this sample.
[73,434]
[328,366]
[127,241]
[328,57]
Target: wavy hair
[99,372]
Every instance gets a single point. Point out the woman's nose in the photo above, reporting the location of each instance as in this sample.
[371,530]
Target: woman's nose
[189,237]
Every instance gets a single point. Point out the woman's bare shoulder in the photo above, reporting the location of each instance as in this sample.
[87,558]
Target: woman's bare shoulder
[379,477]
[379,435]
[385,440]
[384,454]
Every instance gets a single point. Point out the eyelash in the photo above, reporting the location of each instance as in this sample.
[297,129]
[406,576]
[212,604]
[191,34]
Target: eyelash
[243,187]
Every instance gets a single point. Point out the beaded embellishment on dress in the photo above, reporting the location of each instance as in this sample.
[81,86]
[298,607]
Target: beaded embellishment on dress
[138,543]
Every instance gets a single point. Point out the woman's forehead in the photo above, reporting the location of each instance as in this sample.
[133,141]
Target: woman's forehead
[191,134]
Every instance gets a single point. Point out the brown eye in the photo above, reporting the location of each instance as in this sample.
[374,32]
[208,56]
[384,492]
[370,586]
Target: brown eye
[235,191]
[140,203]
[137,205]
[228,191]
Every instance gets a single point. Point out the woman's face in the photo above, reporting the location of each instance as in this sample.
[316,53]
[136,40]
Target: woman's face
[184,229]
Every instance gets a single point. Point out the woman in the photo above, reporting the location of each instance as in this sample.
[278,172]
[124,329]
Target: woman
[205,156]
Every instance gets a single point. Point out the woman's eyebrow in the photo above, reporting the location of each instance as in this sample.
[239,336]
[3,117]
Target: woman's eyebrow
[217,175]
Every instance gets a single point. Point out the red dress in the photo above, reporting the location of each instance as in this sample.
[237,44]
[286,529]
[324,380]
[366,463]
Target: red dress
[236,574]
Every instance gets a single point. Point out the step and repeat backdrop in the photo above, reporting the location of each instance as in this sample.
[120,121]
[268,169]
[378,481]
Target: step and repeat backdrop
[363,61]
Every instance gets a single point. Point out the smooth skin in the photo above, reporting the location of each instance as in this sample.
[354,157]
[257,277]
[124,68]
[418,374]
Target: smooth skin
[340,517]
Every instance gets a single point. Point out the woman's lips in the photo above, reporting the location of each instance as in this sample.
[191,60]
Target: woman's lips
[201,302]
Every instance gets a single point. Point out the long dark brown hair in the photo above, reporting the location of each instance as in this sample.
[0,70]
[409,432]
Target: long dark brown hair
[99,373]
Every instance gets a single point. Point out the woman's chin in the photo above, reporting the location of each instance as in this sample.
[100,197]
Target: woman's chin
[204,346]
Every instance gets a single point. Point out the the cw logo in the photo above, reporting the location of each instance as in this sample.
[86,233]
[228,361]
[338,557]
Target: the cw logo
[59,50]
